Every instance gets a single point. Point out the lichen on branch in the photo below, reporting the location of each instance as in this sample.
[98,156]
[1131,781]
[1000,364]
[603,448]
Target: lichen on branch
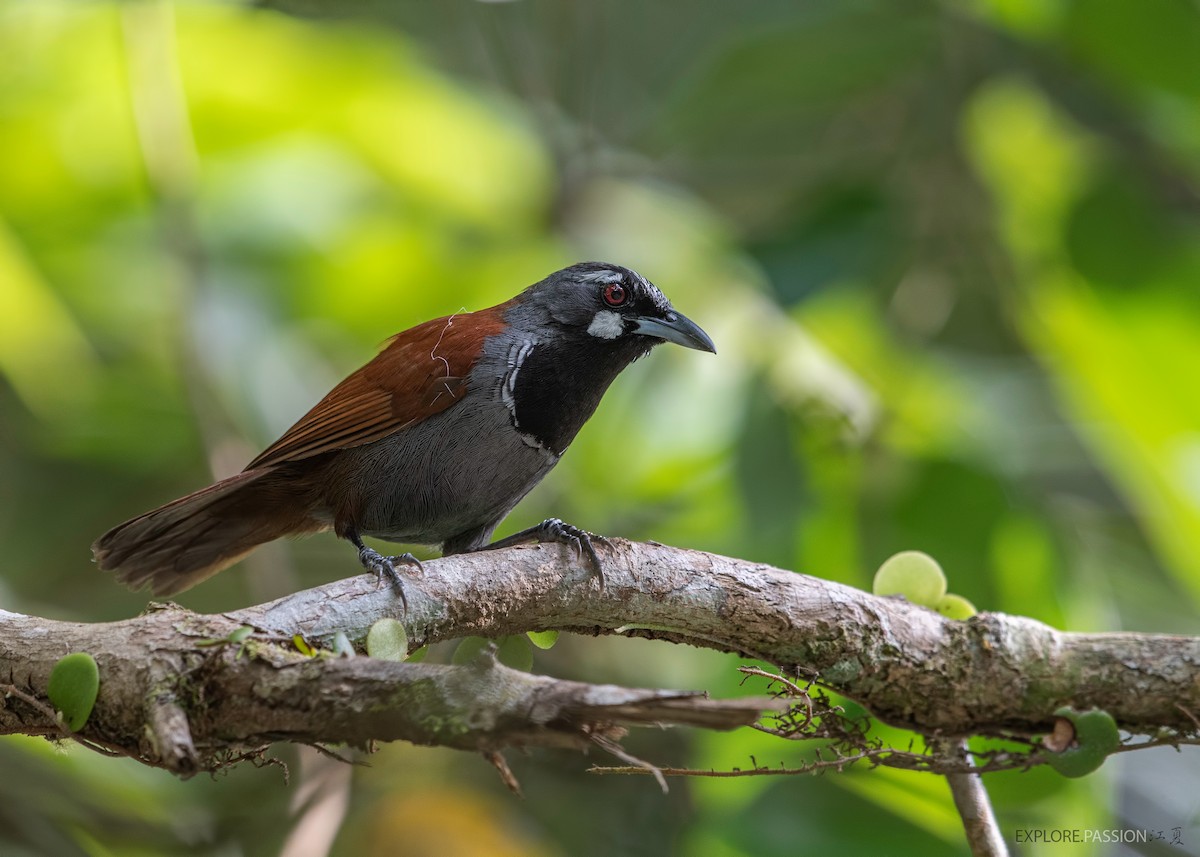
[187,691]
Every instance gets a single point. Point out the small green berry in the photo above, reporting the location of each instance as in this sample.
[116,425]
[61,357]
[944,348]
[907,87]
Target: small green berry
[387,640]
[73,687]
[913,574]
[955,607]
[1096,738]
[542,639]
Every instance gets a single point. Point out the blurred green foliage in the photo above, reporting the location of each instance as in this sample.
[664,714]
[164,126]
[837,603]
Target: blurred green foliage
[948,251]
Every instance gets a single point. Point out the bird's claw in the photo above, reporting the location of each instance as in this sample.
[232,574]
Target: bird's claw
[556,530]
[385,567]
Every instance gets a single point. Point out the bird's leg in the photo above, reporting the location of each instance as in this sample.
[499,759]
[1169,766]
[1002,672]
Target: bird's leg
[554,530]
[384,566]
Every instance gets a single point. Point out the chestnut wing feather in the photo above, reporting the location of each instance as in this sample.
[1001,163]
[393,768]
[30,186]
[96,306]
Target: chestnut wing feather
[421,372]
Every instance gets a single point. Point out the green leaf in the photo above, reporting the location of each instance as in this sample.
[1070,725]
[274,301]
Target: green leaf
[239,635]
[543,639]
[513,651]
[74,684]
[387,640]
[419,655]
[516,652]
[468,650]
[303,646]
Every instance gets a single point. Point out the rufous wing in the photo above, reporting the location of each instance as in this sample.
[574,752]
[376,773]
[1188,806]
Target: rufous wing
[420,372]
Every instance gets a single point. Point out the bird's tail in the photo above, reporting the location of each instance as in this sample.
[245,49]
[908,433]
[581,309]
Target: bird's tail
[175,546]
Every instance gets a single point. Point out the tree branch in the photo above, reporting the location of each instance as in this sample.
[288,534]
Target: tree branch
[909,665]
[170,697]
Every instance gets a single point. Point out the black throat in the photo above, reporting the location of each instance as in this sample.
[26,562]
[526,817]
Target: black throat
[560,384]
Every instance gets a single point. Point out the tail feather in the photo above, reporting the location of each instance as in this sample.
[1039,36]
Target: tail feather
[175,546]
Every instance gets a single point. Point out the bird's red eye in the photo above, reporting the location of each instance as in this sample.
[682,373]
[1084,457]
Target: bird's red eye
[615,295]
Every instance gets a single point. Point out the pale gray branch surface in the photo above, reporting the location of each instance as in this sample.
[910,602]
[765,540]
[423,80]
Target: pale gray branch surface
[174,694]
[173,702]
[909,665]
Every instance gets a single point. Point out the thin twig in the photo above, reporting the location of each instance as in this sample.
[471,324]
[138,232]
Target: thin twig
[506,775]
[62,729]
[645,767]
[974,807]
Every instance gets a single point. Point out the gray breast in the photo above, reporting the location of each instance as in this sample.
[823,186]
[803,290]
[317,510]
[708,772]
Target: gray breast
[460,470]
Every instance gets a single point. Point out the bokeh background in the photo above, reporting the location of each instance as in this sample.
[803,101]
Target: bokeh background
[948,252]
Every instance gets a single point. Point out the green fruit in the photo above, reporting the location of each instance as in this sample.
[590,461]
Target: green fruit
[387,640]
[955,607]
[913,574]
[542,639]
[73,687]
[1096,738]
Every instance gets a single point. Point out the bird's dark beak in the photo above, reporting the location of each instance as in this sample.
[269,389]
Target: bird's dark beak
[675,327]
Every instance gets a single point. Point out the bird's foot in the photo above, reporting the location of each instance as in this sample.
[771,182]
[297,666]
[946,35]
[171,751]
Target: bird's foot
[560,532]
[384,567]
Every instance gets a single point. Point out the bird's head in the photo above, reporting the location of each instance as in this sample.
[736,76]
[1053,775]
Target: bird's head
[608,304]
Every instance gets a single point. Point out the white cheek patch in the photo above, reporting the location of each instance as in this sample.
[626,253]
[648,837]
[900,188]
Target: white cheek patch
[606,325]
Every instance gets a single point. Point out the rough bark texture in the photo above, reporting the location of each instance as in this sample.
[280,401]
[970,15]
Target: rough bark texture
[908,664]
[172,698]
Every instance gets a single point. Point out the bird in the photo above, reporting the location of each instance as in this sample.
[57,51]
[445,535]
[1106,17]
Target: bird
[432,442]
